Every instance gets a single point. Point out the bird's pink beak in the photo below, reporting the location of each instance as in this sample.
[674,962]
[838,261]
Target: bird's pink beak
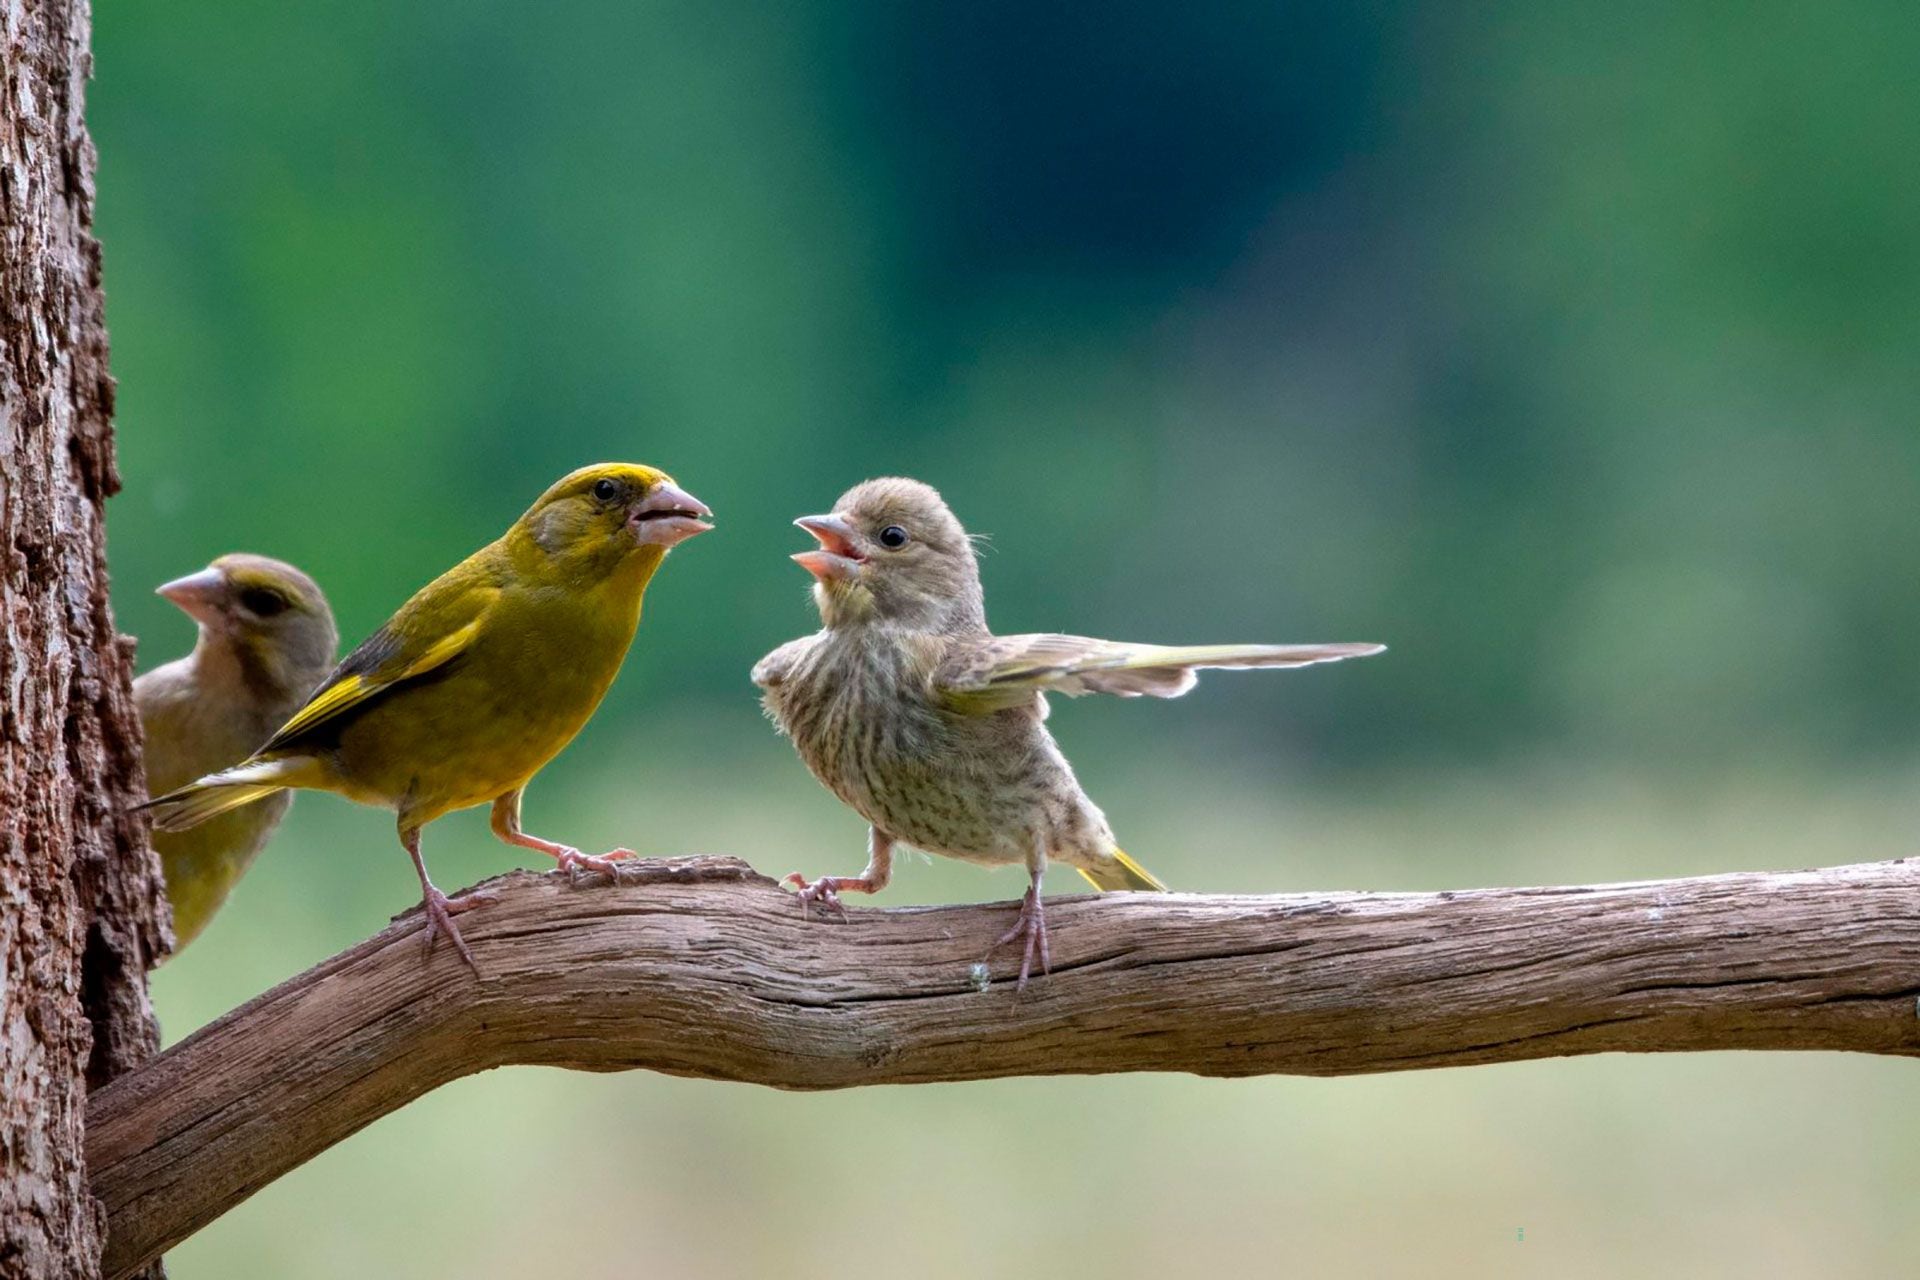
[199,595]
[837,557]
[668,516]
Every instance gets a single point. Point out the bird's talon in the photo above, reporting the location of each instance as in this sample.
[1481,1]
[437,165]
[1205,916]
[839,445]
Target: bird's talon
[820,890]
[440,911]
[573,862]
[1032,928]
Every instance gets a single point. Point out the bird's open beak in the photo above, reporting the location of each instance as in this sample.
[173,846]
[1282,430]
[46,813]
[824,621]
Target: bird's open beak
[199,595]
[837,556]
[668,516]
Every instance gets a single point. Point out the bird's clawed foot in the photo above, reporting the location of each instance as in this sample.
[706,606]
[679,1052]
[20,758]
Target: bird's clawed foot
[821,890]
[572,861]
[1031,926]
[826,890]
[441,910]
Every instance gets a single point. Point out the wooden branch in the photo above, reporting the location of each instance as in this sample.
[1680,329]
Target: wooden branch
[702,968]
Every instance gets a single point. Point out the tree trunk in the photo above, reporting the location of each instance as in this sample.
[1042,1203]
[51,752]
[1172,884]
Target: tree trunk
[81,914]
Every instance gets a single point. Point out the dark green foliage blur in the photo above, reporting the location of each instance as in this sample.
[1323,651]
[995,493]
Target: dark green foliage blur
[1572,352]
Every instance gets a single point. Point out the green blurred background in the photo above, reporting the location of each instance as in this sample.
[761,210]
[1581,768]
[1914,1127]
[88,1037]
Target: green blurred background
[1569,352]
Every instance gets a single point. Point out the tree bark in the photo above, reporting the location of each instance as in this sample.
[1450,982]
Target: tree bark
[703,968]
[81,914]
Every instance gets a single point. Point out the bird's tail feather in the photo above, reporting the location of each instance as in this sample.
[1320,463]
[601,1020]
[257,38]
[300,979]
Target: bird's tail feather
[1123,873]
[213,795]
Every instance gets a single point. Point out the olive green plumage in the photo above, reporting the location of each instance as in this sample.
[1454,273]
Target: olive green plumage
[266,639]
[931,727]
[481,678]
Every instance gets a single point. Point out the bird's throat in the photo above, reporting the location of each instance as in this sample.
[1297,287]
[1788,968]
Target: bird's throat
[843,603]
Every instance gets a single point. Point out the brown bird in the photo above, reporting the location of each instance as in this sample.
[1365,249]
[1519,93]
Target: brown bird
[266,641]
[932,728]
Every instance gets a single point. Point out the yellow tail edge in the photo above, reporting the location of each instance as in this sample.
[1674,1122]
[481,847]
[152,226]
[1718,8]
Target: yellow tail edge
[1124,874]
[192,805]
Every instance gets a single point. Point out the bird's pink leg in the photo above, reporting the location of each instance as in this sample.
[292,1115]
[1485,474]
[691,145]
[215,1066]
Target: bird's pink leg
[828,889]
[439,907]
[571,858]
[506,825]
[1032,926]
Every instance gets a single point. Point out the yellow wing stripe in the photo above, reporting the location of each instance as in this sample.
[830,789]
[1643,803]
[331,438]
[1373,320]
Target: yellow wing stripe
[334,698]
[352,690]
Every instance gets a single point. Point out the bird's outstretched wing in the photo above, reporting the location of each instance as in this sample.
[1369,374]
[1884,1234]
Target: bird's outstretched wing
[1006,671]
[428,632]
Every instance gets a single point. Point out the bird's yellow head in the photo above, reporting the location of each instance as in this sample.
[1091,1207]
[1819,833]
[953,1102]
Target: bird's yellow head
[272,617]
[892,551]
[601,517]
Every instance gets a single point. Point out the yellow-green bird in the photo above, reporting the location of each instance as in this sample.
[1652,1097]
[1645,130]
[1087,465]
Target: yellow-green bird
[266,640]
[480,679]
[932,728]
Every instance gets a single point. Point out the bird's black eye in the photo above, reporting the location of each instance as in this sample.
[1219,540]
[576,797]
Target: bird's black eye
[606,490]
[263,602]
[893,537]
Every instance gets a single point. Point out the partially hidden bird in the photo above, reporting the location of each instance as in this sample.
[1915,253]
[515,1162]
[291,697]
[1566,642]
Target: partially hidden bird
[933,729]
[266,640]
[480,679]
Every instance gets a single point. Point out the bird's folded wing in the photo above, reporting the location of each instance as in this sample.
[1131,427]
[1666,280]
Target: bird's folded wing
[772,669]
[1006,671]
[405,649]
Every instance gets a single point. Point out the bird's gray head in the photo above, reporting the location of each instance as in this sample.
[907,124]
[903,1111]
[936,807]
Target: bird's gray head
[271,617]
[891,551]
